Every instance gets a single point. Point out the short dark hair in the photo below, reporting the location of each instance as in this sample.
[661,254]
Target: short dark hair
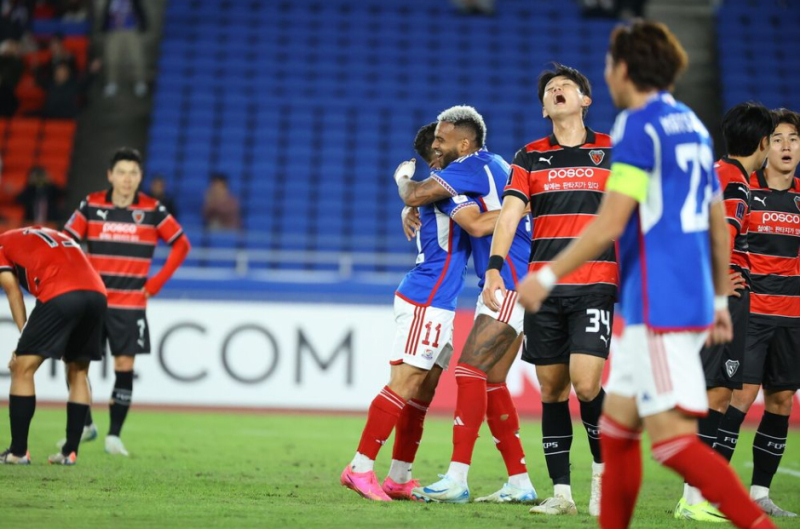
[560,70]
[654,56]
[790,117]
[423,142]
[125,154]
[219,177]
[744,126]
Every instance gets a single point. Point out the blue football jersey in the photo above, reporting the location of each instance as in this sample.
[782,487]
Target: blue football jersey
[482,176]
[664,253]
[438,277]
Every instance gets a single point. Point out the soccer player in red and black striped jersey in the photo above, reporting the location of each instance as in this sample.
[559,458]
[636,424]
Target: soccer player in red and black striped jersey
[121,227]
[67,324]
[773,336]
[746,129]
[563,177]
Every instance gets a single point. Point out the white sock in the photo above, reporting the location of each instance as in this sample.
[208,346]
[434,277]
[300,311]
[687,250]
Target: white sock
[400,471]
[458,472]
[757,492]
[362,463]
[692,495]
[563,490]
[598,468]
[521,481]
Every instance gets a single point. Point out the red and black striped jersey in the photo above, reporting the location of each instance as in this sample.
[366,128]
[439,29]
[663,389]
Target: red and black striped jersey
[565,186]
[734,181]
[121,241]
[47,263]
[774,245]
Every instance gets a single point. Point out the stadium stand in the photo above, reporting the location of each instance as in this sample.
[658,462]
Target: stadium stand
[757,45]
[308,106]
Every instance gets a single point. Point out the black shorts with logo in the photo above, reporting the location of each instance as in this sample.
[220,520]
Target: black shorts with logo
[69,326]
[127,332]
[772,356]
[567,325]
[723,364]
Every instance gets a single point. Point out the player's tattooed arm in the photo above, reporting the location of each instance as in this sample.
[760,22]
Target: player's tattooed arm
[11,287]
[421,193]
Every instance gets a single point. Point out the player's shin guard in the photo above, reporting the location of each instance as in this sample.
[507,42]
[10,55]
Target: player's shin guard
[557,440]
[384,412]
[408,432]
[703,468]
[20,412]
[768,447]
[728,432]
[501,414]
[590,415]
[622,476]
[120,401]
[76,418]
[470,411]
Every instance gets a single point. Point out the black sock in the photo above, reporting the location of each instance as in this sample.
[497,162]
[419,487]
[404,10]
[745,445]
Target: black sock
[120,401]
[708,426]
[88,421]
[76,418]
[20,411]
[557,440]
[768,447]
[728,432]
[590,415]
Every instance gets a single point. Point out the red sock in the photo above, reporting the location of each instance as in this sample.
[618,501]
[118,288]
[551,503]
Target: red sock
[622,477]
[408,432]
[470,411]
[501,414]
[381,419]
[703,468]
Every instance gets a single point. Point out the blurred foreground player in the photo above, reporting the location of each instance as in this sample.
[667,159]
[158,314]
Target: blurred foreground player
[746,129]
[121,228]
[67,323]
[773,338]
[663,207]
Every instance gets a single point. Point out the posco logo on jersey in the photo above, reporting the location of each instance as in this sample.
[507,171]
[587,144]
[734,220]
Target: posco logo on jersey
[781,217]
[570,173]
[119,227]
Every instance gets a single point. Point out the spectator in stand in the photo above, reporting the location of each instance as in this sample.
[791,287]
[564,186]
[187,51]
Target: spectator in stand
[221,209]
[124,22]
[58,55]
[158,190]
[15,17]
[42,198]
[74,10]
[11,68]
[65,93]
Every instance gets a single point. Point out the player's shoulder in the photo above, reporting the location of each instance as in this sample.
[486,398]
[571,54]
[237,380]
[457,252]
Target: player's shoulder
[601,141]
[146,201]
[98,198]
[796,186]
[540,145]
[728,171]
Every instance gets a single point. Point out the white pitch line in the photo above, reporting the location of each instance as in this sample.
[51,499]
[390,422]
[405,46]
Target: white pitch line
[788,471]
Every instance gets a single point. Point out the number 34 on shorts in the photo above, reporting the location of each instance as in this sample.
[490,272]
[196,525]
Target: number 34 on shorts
[424,335]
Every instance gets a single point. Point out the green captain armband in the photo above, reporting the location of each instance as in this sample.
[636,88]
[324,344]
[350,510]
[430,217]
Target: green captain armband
[628,180]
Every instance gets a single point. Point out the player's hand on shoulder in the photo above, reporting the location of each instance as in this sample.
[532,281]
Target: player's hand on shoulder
[494,290]
[405,170]
[411,222]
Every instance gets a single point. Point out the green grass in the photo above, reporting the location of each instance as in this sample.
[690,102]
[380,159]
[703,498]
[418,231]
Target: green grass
[228,470]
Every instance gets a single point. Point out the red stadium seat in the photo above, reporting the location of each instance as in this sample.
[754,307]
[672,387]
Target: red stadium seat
[56,147]
[11,184]
[31,96]
[12,214]
[79,46]
[29,127]
[60,128]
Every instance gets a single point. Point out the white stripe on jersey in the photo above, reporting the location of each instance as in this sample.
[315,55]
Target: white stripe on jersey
[653,208]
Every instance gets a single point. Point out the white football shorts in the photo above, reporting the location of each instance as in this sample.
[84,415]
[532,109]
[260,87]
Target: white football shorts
[424,335]
[663,371]
[510,311]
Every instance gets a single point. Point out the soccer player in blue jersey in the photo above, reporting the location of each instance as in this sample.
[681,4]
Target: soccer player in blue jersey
[424,312]
[664,209]
[469,169]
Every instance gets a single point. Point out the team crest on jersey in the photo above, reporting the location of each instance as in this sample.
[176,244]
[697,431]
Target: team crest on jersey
[731,366]
[428,354]
[138,216]
[597,156]
[797,202]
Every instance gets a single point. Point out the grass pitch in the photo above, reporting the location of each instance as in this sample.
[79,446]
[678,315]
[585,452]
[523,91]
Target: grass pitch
[249,470]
